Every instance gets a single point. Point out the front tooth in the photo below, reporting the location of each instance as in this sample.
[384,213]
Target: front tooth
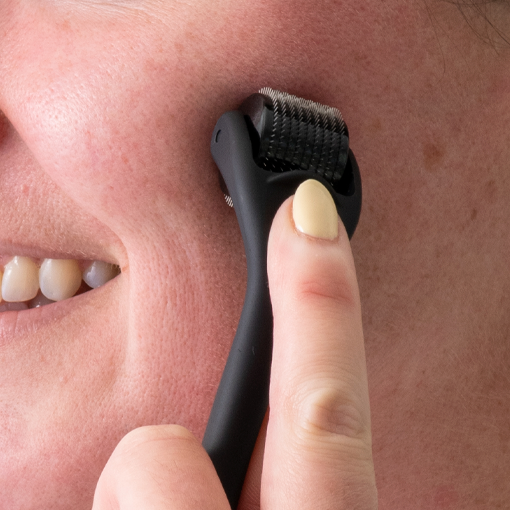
[20,281]
[59,278]
[99,272]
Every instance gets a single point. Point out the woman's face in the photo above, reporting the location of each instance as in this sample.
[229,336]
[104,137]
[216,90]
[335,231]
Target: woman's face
[108,108]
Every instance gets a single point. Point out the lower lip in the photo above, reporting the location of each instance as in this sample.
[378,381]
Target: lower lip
[14,325]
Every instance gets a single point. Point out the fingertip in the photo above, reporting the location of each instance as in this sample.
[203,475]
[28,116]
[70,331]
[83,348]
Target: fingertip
[160,467]
[314,211]
[310,214]
[303,264]
[141,436]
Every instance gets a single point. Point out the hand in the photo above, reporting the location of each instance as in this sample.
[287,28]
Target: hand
[317,453]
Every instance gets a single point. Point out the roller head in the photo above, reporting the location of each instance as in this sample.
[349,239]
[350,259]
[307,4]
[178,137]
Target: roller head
[291,133]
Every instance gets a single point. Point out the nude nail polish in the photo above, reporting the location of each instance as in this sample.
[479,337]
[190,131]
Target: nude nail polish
[314,211]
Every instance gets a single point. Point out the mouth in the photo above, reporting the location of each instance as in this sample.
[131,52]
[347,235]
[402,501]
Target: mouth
[39,292]
[28,283]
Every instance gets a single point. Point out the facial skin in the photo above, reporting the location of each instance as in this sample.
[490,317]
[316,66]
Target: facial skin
[108,108]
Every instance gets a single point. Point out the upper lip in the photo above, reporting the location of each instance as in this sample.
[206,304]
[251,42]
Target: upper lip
[41,231]
[39,220]
[91,252]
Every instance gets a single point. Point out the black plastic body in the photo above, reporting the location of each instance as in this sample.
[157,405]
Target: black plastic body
[242,397]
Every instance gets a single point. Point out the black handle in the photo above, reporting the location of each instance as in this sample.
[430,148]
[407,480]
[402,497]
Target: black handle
[242,397]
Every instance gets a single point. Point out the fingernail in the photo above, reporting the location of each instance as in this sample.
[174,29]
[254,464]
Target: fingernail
[314,211]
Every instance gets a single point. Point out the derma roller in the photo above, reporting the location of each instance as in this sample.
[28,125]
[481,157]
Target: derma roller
[264,150]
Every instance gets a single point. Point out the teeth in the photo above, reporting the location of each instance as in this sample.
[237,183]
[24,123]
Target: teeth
[98,273]
[21,280]
[59,278]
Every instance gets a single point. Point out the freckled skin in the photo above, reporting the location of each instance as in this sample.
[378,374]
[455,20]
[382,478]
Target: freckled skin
[107,111]
[433,156]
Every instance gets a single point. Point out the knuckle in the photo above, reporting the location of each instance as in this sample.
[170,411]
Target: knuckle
[332,416]
[333,284]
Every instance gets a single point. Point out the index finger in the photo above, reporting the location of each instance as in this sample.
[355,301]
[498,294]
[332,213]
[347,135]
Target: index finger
[318,446]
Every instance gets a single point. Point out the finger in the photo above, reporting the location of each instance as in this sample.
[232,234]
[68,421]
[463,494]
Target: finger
[161,468]
[318,446]
[250,495]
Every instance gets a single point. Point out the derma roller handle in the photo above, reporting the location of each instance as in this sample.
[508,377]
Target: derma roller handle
[242,397]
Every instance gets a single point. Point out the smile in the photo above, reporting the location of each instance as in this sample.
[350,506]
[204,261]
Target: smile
[30,283]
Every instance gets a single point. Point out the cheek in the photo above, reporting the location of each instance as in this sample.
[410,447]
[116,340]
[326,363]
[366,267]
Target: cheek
[120,119]
[118,109]
[94,80]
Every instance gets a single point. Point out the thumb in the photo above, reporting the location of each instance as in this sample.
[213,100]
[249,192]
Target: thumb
[162,468]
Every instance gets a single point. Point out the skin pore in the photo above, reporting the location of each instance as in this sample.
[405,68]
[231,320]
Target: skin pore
[107,110]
